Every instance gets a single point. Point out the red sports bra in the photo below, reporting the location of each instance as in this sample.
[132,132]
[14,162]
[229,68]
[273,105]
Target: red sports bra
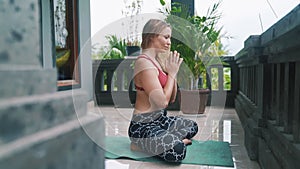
[162,76]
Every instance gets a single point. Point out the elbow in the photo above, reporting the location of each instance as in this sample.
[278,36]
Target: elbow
[165,104]
[161,105]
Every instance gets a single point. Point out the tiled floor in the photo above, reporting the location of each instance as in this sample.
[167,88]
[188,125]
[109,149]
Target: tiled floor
[214,124]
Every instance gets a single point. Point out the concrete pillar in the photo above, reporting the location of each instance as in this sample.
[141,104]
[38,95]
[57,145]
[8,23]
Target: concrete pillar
[21,71]
[39,127]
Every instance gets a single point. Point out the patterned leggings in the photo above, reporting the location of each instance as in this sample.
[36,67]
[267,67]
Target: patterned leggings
[162,135]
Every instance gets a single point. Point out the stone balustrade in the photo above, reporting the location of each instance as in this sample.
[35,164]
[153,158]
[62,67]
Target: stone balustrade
[268,96]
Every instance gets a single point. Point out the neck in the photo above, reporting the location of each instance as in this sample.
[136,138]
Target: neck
[149,52]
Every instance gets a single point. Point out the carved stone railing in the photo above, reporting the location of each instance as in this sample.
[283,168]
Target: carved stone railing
[113,83]
[268,96]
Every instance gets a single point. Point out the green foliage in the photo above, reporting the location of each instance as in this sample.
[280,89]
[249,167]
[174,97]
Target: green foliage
[227,78]
[214,79]
[162,2]
[117,47]
[115,50]
[195,37]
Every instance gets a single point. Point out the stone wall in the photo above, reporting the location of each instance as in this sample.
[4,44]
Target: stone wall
[40,128]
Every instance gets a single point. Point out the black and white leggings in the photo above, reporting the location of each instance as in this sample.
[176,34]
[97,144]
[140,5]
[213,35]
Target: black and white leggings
[162,135]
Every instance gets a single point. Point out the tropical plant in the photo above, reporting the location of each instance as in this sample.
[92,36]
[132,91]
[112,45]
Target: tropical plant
[197,38]
[116,49]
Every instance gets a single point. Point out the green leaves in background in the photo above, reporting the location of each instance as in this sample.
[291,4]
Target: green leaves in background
[116,49]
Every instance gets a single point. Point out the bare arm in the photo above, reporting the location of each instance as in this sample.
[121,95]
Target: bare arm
[174,92]
[147,76]
[158,97]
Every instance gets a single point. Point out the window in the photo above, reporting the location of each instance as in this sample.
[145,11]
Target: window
[66,43]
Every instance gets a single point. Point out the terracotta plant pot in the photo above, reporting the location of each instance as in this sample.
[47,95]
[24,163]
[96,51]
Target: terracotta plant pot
[193,101]
[133,50]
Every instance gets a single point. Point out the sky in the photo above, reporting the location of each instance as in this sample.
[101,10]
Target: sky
[240,18]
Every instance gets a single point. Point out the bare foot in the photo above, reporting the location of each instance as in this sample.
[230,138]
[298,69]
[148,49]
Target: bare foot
[134,147]
[187,141]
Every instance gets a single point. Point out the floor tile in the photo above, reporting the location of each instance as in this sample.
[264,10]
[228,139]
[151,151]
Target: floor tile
[215,124]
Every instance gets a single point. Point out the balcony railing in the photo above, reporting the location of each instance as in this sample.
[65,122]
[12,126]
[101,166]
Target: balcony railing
[113,83]
[264,89]
[268,97]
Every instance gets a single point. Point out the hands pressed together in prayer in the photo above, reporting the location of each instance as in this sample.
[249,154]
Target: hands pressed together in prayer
[173,63]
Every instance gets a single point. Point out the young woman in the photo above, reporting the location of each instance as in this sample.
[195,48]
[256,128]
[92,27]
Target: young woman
[151,130]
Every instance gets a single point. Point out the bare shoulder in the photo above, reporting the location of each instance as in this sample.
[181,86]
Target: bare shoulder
[142,64]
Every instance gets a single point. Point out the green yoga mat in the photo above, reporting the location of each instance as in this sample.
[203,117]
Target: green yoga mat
[211,153]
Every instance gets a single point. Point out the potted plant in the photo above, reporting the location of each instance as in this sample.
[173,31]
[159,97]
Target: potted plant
[196,38]
[132,9]
[117,47]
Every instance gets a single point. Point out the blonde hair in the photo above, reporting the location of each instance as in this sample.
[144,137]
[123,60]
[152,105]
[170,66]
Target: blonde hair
[152,28]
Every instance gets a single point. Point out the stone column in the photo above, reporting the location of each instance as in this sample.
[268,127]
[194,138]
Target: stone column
[40,127]
[21,71]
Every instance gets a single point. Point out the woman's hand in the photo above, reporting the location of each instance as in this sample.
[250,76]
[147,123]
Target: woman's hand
[173,63]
